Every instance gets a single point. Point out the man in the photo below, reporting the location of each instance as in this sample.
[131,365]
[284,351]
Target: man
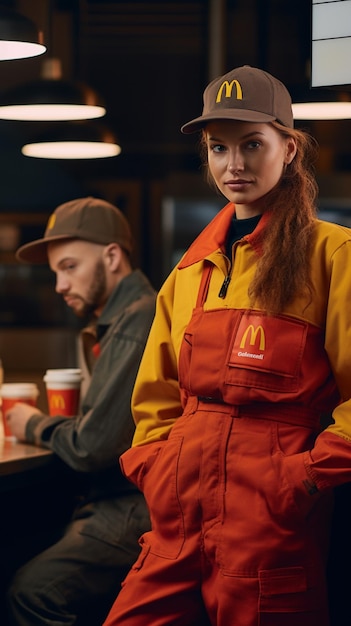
[87,243]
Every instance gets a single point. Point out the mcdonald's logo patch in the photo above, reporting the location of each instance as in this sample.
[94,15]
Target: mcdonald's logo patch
[265,343]
[226,88]
[251,335]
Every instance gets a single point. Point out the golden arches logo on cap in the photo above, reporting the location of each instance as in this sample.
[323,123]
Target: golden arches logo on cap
[51,222]
[246,94]
[227,87]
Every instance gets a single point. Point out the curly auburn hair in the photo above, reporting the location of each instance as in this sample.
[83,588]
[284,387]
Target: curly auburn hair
[283,270]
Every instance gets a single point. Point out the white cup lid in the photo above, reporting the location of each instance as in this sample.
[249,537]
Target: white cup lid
[19,390]
[66,374]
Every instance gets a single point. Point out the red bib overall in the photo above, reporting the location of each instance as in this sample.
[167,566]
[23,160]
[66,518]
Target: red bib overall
[231,531]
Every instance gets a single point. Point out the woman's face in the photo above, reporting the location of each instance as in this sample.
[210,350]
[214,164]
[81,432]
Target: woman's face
[246,161]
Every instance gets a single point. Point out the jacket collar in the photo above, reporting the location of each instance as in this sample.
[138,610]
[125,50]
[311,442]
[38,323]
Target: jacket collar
[128,290]
[214,235]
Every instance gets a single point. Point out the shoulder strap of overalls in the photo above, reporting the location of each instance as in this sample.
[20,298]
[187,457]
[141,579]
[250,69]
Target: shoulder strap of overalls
[204,284]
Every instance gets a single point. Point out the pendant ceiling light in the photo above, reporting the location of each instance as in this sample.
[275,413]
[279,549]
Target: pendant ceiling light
[323,104]
[51,99]
[322,110]
[74,140]
[19,37]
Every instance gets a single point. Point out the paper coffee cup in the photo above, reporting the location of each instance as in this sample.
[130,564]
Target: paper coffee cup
[16,392]
[63,391]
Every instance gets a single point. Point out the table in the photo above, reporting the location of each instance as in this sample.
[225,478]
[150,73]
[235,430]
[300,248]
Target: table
[17,457]
[23,464]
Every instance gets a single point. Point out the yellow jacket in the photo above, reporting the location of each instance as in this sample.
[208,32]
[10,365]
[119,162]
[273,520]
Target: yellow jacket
[156,402]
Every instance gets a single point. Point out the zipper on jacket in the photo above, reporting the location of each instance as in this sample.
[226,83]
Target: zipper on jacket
[223,290]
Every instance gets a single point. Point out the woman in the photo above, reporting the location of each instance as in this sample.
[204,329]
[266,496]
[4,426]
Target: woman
[248,350]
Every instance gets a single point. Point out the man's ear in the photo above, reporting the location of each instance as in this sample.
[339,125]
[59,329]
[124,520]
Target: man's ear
[112,256]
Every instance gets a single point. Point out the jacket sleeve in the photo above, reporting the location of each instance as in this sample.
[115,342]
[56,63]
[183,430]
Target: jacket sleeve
[329,462]
[156,402]
[104,430]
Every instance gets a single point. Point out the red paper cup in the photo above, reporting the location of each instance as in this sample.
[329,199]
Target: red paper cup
[16,392]
[63,391]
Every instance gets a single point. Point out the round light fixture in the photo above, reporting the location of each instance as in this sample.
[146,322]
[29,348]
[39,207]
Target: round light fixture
[51,99]
[322,110]
[74,140]
[19,37]
[321,104]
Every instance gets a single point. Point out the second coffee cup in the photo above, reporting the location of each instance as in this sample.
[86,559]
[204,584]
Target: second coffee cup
[63,391]
[11,393]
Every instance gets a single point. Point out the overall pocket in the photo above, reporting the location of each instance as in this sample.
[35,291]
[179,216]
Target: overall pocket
[161,494]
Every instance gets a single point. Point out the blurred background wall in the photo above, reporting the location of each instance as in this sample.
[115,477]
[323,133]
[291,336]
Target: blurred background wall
[150,61]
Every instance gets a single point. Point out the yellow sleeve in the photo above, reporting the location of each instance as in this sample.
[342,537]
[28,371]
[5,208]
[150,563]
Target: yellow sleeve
[156,399]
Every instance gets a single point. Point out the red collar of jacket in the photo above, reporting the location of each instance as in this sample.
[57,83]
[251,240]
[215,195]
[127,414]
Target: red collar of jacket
[215,233]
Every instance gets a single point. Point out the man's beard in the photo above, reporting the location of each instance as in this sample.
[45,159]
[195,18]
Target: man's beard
[96,293]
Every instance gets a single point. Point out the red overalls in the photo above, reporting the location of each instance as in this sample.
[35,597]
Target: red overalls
[234,541]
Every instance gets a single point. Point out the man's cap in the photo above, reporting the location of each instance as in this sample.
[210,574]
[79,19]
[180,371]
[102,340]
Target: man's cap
[89,219]
[247,94]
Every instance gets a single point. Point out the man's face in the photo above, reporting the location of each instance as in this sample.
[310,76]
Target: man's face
[80,274]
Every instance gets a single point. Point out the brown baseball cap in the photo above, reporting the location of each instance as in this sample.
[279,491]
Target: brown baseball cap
[89,219]
[245,93]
